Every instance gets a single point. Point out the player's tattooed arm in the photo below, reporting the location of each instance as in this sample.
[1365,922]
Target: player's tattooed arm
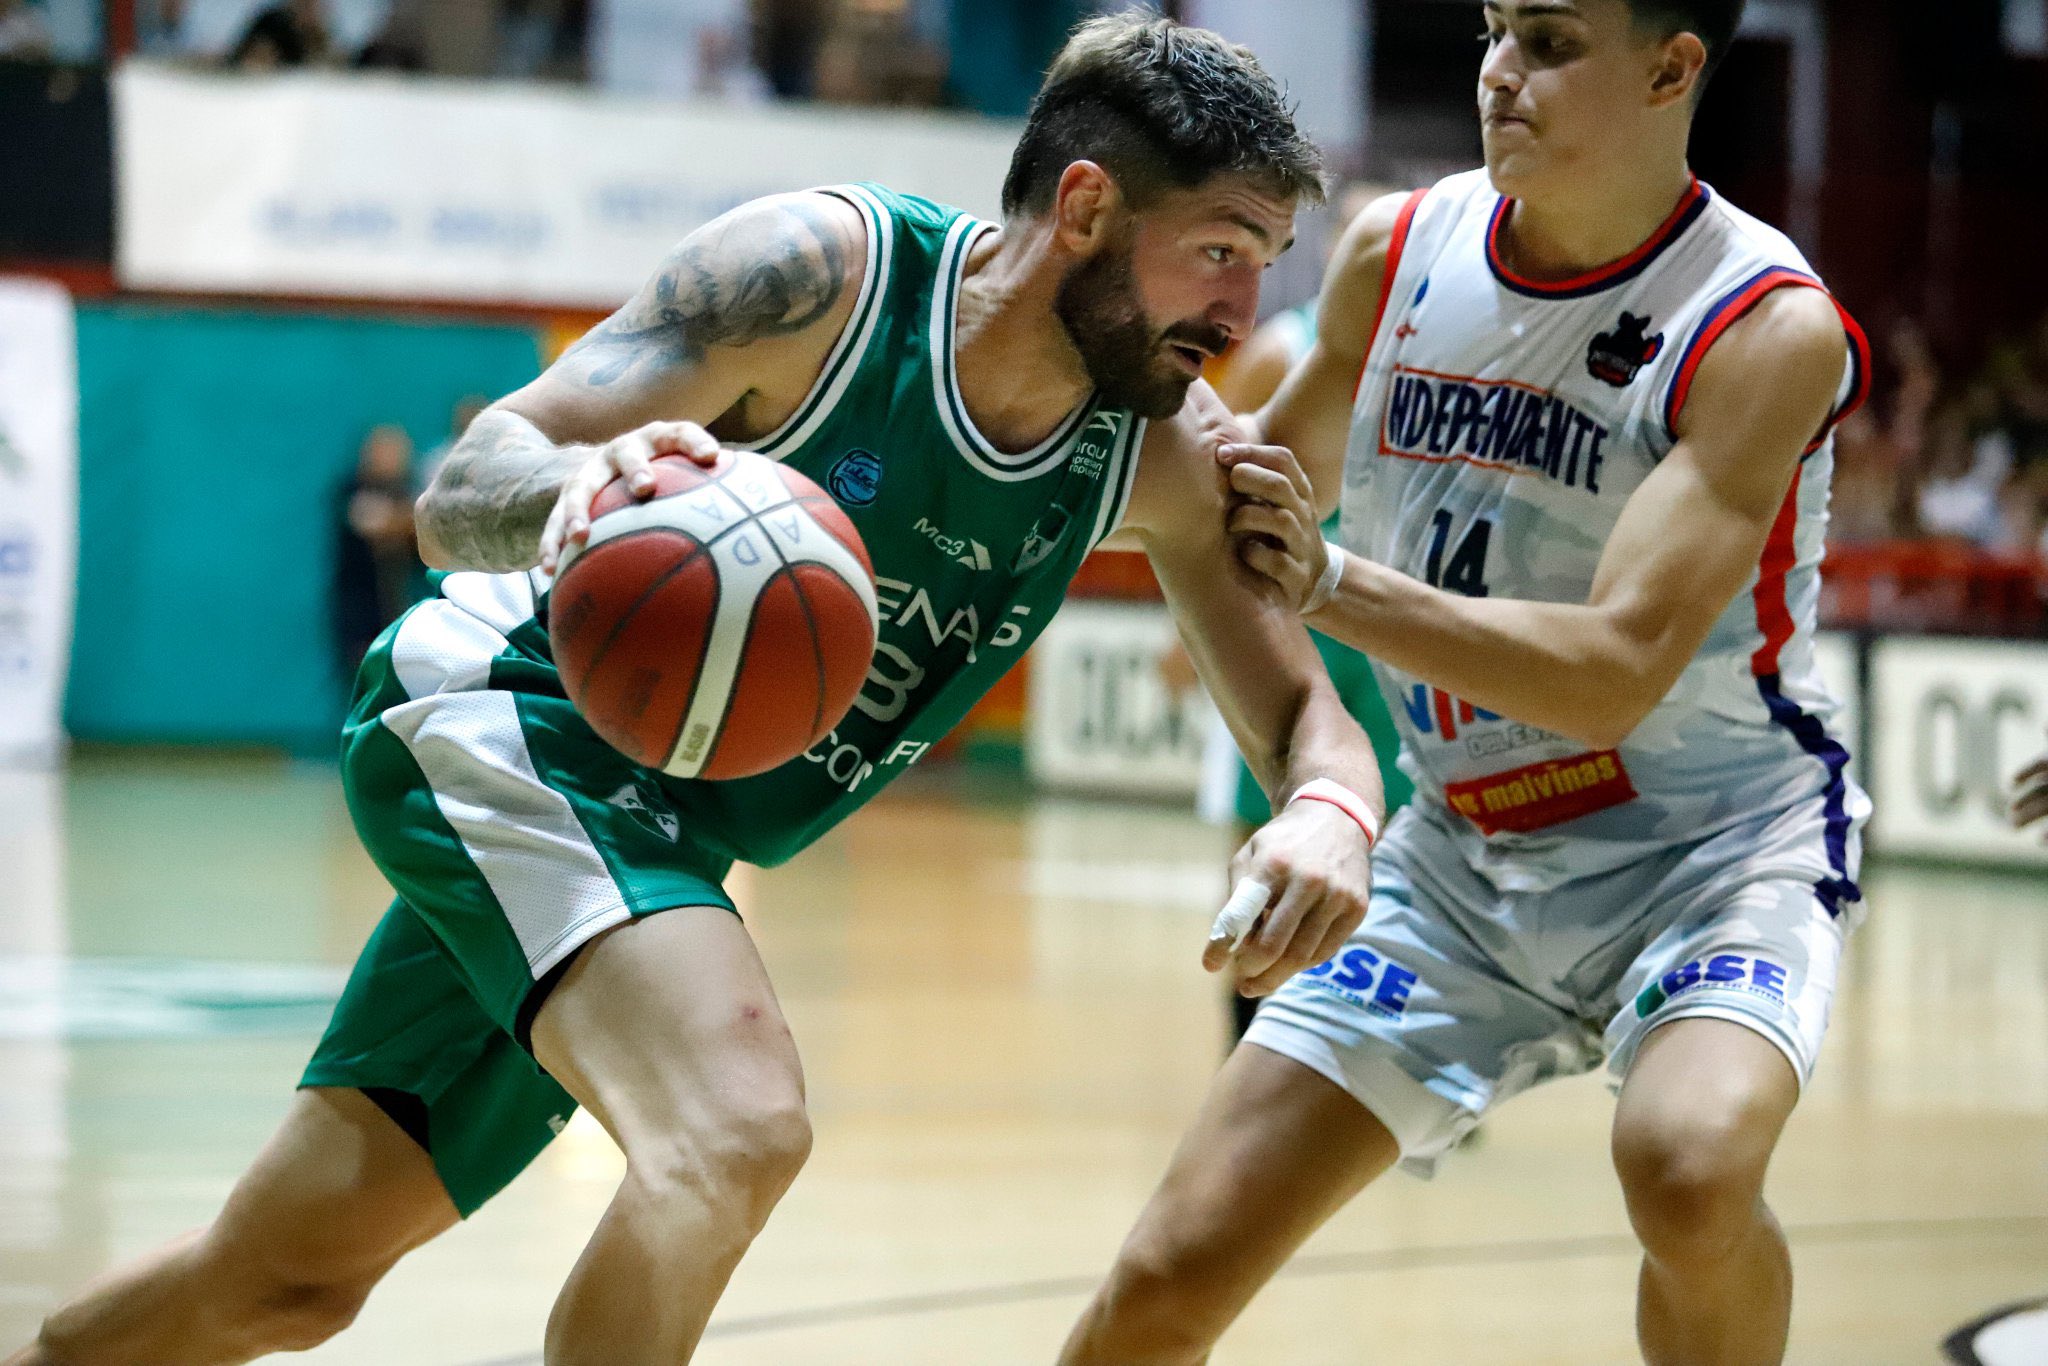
[750,303]
[769,270]
[493,493]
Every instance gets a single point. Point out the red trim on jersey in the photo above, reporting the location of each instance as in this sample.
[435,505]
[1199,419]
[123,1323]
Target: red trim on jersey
[1689,203]
[1773,613]
[1859,369]
[1731,309]
[1396,244]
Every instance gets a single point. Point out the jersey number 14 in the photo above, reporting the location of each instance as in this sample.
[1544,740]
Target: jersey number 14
[1466,572]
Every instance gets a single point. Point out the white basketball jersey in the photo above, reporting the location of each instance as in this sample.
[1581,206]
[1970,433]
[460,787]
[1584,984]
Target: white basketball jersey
[1499,428]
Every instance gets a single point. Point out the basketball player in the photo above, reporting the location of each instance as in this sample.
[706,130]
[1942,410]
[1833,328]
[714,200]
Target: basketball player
[1584,483]
[988,403]
[1231,792]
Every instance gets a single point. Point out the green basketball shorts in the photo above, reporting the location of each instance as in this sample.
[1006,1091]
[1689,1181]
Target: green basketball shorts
[513,836]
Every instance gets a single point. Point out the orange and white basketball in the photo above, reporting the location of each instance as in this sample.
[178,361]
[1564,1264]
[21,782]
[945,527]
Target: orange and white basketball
[720,627]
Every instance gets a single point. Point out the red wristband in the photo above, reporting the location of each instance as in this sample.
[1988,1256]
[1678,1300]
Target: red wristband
[1345,800]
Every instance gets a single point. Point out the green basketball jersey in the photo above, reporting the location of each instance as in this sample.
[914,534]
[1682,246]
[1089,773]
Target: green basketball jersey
[973,547]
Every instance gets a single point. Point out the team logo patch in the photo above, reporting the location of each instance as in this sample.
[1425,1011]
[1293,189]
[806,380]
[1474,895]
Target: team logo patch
[1544,794]
[1615,357]
[1046,533]
[649,809]
[856,478]
[1739,972]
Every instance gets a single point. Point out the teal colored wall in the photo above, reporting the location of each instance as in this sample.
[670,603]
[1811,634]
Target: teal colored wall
[211,445]
[1000,49]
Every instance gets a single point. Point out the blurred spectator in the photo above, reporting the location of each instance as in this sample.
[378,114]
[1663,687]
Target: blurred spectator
[1964,469]
[2021,374]
[544,40]
[290,34]
[399,44]
[24,36]
[787,35]
[376,557]
[725,70]
[160,30]
[872,55]
[464,413]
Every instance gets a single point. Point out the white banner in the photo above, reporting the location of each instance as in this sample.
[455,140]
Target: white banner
[1099,716]
[38,515]
[1952,721]
[355,185]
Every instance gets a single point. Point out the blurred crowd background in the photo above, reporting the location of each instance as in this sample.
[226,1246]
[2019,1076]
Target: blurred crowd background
[1900,146]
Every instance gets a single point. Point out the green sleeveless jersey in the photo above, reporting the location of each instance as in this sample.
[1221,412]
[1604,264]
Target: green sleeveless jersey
[973,547]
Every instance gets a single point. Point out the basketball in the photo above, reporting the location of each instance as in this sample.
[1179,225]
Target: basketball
[720,627]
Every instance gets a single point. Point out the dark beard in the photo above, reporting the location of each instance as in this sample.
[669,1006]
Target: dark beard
[1098,305]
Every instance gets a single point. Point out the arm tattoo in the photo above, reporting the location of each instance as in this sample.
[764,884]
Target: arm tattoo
[491,498]
[763,272]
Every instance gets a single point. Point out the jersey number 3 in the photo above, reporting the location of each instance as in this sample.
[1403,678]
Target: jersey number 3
[1466,573]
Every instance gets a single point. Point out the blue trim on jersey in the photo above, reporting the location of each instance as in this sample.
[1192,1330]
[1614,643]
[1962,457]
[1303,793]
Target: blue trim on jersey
[1815,740]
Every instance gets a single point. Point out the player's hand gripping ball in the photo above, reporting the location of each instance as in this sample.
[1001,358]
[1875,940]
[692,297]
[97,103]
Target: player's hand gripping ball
[720,626]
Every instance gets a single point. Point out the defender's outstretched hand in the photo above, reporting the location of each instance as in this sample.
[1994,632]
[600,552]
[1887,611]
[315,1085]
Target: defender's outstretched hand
[1302,882]
[628,456]
[1276,528]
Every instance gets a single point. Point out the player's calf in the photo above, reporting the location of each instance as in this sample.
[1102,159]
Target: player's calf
[1160,1307]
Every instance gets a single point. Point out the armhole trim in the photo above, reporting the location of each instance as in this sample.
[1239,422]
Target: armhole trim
[1122,478]
[1730,309]
[1396,246]
[843,361]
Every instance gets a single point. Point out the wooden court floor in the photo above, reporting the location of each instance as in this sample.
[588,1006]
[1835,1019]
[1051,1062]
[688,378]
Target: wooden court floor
[1004,1027]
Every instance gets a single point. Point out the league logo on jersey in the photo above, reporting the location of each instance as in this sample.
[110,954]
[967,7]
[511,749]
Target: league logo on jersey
[856,478]
[1047,532]
[1615,357]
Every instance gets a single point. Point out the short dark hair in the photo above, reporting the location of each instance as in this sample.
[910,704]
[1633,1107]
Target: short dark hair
[1157,104]
[1713,22]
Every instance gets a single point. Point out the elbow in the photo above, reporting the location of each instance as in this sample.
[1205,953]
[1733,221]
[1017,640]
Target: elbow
[1619,708]
[1606,731]
[426,532]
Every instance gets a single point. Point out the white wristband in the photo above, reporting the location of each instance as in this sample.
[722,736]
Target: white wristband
[1325,586]
[1345,800]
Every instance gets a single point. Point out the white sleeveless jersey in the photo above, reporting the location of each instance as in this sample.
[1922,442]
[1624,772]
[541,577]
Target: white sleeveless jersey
[1499,428]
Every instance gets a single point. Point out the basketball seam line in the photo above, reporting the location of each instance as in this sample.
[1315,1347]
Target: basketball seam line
[803,600]
[662,581]
[751,517]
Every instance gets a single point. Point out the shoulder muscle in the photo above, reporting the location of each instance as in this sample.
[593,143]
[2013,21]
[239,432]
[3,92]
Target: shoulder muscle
[743,299]
[1352,285]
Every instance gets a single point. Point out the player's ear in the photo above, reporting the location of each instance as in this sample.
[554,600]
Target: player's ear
[1680,60]
[1085,208]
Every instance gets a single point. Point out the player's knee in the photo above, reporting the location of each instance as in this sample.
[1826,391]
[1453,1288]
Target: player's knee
[737,1164]
[286,1295]
[1693,1182]
[295,1316]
